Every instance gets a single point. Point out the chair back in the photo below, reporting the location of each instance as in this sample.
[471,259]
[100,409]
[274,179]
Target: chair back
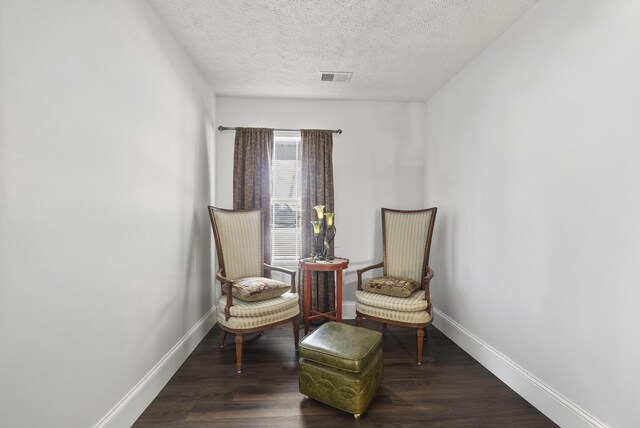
[238,236]
[406,242]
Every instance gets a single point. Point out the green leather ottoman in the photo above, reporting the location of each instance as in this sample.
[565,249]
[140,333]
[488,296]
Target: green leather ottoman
[341,365]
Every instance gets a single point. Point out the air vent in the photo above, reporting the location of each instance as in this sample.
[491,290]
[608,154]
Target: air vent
[335,76]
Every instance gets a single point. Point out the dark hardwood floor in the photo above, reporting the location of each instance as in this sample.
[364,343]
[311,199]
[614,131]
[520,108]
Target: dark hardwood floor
[451,389]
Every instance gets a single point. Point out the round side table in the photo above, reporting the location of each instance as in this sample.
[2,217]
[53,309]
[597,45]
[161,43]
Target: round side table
[310,265]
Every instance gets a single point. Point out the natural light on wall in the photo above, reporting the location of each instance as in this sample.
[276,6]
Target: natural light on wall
[285,200]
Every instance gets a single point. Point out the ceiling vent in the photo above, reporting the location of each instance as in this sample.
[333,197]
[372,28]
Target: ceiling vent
[335,76]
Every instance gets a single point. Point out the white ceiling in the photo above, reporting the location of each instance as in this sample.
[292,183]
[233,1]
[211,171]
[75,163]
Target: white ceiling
[399,50]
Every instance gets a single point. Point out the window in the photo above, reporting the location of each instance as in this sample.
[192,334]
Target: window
[285,200]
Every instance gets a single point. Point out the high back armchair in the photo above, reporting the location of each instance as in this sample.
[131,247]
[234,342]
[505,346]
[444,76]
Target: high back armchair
[250,301]
[401,296]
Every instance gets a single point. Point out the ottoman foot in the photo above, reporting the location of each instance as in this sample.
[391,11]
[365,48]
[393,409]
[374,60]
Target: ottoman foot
[357,416]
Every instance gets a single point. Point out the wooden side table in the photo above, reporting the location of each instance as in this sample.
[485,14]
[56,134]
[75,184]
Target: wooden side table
[309,265]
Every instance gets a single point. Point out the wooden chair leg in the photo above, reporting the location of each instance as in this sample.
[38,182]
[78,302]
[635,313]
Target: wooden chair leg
[223,336]
[425,334]
[420,340]
[384,326]
[296,332]
[239,353]
[359,321]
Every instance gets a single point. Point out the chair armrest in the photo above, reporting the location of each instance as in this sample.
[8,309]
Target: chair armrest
[289,272]
[365,269]
[426,285]
[429,274]
[223,280]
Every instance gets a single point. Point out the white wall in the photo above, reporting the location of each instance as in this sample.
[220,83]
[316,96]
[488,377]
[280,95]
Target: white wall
[377,161]
[532,156]
[105,135]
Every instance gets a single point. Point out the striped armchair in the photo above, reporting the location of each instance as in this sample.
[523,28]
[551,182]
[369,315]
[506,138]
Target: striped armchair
[250,301]
[401,296]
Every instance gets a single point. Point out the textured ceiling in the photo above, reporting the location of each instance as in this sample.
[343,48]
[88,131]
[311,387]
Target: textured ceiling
[402,50]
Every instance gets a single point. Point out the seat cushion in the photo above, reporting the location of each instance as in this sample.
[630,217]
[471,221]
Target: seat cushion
[415,317]
[341,346]
[254,289]
[391,286]
[264,307]
[246,315]
[415,302]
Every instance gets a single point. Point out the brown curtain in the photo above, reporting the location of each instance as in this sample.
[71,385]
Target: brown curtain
[317,189]
[252,176]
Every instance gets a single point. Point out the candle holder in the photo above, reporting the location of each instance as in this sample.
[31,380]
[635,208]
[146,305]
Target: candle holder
[324,232]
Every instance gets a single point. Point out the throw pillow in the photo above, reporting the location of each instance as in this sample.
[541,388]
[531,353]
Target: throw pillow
[256,289]
[389,286]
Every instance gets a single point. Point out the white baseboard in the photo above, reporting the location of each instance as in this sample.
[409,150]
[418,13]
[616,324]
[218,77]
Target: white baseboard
[348,310]
[550,402]
[131,406]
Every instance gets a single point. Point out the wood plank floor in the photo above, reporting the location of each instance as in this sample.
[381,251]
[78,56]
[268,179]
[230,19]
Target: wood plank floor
[451,390]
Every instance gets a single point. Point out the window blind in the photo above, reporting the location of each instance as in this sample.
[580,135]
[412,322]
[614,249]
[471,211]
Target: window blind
[285,200]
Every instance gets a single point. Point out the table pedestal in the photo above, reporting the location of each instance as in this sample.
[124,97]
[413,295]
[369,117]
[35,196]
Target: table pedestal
[309,265]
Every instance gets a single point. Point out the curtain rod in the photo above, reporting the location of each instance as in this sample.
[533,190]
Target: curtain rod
[233,128]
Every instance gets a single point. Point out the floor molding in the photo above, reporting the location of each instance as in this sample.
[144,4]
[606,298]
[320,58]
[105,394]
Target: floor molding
[348,310]
[131,406]
[550,402]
